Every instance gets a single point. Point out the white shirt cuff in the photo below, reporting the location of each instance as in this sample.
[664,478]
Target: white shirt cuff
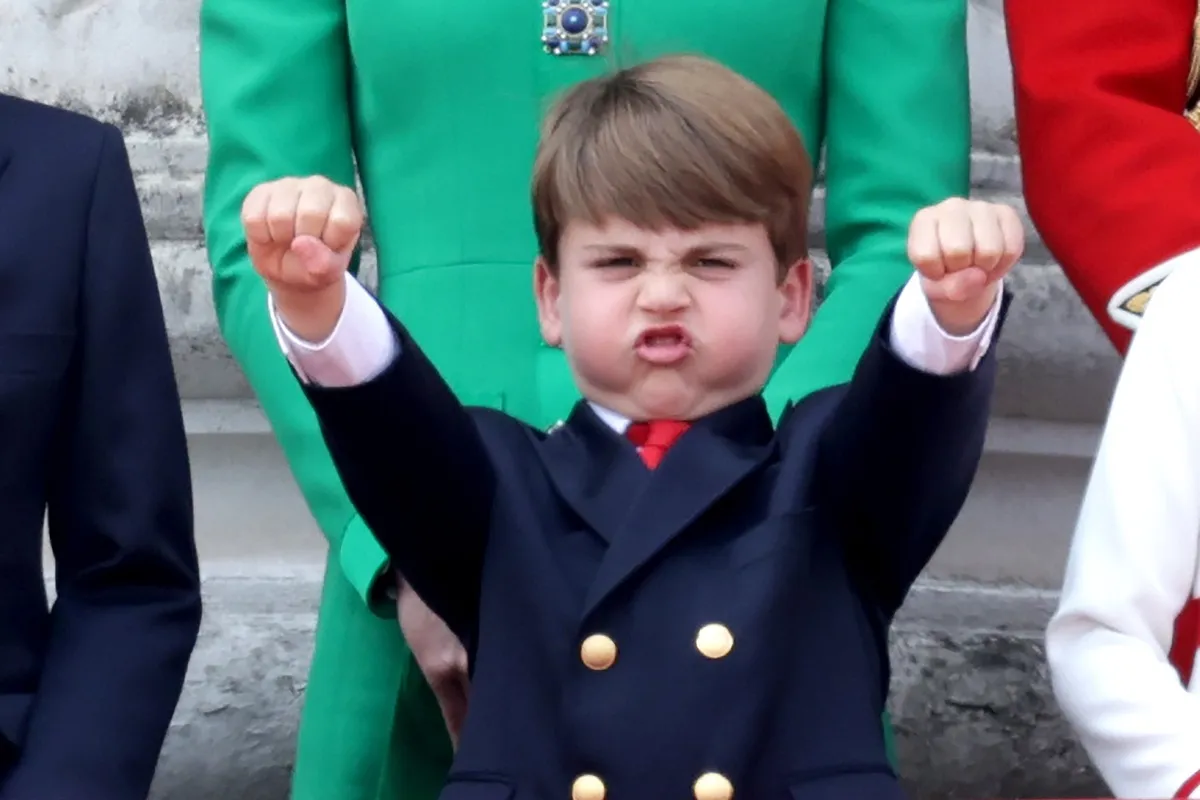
[361,346]
[918,339]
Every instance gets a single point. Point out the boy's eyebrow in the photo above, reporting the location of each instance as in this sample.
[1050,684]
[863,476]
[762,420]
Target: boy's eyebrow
[717,247]
[608,248]
[700,249]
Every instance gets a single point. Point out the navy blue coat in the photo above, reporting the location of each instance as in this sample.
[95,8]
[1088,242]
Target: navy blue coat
[91,433]
[716,625]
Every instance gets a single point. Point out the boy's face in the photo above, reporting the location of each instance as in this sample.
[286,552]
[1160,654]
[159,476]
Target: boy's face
[670,324]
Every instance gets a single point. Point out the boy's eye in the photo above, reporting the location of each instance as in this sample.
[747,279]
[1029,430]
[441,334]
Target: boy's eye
[719,263]
[617,261]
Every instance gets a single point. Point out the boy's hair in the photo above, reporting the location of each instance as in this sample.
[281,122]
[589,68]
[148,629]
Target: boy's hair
[680,141]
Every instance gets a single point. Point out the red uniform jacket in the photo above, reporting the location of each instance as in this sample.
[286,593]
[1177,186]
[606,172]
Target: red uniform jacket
[1111,166]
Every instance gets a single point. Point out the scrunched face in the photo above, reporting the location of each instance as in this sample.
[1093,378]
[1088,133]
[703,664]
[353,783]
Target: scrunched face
[670,324]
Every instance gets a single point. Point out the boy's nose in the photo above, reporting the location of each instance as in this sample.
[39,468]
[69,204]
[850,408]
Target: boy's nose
[662,293]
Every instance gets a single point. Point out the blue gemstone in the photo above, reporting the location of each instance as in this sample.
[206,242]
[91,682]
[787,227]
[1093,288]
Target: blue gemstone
[574,20]
[599,2]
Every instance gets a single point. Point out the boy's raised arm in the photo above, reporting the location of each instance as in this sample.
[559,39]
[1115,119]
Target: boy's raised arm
[910,429]
[408,453]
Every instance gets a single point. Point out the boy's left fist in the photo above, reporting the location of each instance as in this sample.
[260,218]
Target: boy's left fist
[962,248]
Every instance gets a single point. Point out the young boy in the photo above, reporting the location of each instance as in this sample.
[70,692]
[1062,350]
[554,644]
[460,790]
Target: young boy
[664,597]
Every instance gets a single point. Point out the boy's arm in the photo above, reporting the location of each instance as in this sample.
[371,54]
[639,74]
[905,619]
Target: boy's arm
[1111,166]
[898,457]
[1133,564]
[407,451]
[897,139]
[268,69]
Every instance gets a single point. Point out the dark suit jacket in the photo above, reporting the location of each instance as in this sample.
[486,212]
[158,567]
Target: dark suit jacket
[91,433]
[801,542]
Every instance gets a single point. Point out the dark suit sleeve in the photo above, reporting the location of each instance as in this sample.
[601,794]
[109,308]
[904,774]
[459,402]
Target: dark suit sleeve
[127,611]
[414,464]
[897,460]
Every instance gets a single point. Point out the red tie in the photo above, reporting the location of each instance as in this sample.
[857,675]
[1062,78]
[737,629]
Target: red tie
[655,437]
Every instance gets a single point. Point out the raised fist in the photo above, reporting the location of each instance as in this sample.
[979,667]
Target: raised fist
[301,233]
[962,248]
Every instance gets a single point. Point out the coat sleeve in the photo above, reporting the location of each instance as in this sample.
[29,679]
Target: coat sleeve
[1133,564]
[119,504]
[898,138]
[898,456]
[417,469]
[275,79]
[1111,167]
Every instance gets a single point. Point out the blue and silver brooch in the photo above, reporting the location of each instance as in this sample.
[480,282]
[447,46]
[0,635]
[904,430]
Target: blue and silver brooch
[574,27]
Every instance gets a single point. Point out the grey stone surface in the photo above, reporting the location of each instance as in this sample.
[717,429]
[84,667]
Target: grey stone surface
[974,719]
[234,729]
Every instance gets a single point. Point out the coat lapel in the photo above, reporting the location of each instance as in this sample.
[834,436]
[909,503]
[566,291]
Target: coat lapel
[595,470]
[715,454]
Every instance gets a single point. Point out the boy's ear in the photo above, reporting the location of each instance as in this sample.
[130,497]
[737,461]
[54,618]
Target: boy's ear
[545,292]
[796,295]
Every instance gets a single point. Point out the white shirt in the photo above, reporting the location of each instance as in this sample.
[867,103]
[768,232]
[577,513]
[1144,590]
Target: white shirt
[362,344]
[1133,564]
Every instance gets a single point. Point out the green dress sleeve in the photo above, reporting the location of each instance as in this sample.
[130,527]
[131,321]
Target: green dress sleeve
[898,138]
[275,85]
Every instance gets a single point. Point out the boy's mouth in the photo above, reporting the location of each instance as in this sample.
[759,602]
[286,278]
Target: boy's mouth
[664,345]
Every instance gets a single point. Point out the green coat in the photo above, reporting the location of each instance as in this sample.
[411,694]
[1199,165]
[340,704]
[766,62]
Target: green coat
[439,104]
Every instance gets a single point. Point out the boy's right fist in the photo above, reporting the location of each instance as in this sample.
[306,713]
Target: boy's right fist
[300,236]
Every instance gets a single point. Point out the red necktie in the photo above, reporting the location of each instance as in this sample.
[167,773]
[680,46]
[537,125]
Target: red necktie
[655,437]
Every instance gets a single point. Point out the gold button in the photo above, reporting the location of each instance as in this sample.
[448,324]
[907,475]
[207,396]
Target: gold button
[713,786]
[714,641]
[598,651]
[587,787]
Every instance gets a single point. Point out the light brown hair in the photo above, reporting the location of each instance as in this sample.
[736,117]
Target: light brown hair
[680,141]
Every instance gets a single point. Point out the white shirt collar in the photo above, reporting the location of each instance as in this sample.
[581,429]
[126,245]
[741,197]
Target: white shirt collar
[611,418]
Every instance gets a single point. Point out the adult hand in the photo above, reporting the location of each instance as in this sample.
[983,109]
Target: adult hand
[440,655]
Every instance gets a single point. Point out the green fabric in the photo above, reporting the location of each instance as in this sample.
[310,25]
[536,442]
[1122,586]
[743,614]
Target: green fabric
[364,564]
[439,105]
